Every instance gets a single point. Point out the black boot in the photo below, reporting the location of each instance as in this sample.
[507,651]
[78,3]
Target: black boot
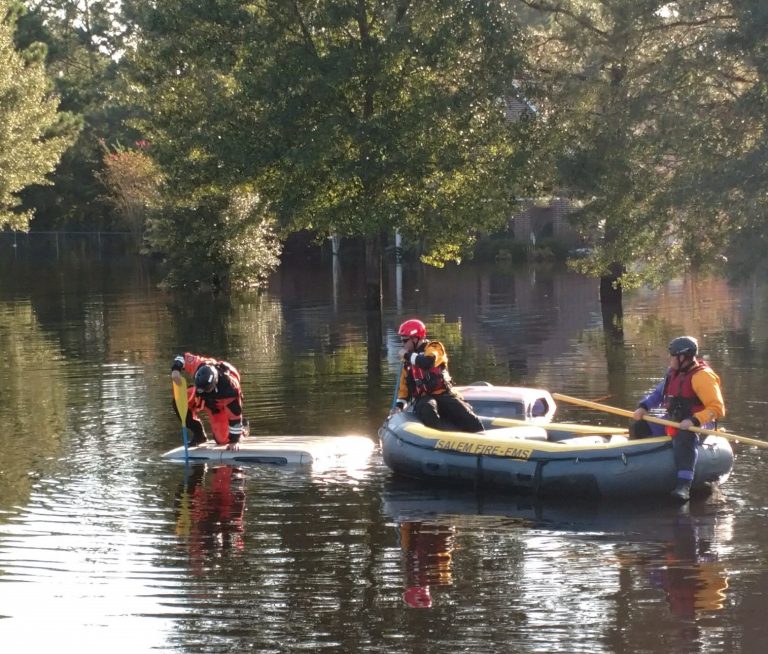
[198,440]
[198,435]
[682,492]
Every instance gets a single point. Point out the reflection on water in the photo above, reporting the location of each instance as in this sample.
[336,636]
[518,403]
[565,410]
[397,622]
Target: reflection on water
[427,549]
[124,552]
[34,400]
[210,508]
[567,562]
[688,567]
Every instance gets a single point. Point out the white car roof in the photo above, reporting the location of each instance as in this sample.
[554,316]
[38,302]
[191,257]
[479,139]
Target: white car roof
[519,394]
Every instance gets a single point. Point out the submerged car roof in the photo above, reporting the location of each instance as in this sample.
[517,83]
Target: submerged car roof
[518,394]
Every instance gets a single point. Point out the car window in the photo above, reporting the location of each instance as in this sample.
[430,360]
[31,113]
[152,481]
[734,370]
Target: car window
[498,409]
[540,408]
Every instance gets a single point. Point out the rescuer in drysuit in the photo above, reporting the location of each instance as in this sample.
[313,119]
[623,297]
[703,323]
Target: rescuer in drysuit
[216,392]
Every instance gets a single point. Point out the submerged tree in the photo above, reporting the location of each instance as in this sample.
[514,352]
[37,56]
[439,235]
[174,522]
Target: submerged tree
[353,118]
[214,228]
[33,133]
[728,186]
[216,241]
[634,94]
[390,115]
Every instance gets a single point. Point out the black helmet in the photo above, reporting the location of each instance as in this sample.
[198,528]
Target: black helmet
[206,379]
[685,345]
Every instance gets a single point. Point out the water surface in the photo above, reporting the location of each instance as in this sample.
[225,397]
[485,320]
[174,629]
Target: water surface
[104,545]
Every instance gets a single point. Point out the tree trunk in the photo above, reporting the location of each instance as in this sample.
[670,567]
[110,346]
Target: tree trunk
[610,288]
[374,322]
[613,331]
[373,273]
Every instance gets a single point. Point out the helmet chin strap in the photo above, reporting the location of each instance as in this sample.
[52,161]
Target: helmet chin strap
[684,361]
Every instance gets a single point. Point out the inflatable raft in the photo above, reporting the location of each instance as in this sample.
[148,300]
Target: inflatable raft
[544,458]
[280,450]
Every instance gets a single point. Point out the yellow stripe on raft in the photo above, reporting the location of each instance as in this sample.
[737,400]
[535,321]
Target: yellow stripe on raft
[514,448]
[562,426]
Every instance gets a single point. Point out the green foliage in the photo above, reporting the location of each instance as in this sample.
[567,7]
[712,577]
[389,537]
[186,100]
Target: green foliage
[215,242]
[351,117]
[133,182]
[214,229]
[83,41]
[635,95]
[726,187]
[359,117]
[33,134]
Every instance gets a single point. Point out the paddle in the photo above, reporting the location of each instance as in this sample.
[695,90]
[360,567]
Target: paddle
[659,421]
[397,389]
[180,398]
[559,426]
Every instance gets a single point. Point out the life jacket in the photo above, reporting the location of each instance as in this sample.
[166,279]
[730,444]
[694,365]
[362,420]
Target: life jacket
[227,388]
[227,369]
[434,381]
[680,400]
[224,404]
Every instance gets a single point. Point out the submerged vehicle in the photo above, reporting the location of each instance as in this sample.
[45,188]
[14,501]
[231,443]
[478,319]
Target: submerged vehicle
[278,450]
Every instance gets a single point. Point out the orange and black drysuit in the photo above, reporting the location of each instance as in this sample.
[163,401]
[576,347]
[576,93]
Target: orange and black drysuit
[425,380]
[224,405]
[692,392]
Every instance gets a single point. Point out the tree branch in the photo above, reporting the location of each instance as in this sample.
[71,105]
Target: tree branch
[305,30]
[560,10]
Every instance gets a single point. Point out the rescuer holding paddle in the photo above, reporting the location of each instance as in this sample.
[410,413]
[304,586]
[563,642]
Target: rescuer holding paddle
[691,395]
[217,393]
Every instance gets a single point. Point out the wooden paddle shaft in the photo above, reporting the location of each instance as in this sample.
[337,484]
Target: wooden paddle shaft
[560,426]
[659,421]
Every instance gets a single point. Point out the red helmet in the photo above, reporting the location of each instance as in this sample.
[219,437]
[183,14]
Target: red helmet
[413,327]
[418,597]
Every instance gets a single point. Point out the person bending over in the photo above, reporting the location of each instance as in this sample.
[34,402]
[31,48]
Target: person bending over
[216,392]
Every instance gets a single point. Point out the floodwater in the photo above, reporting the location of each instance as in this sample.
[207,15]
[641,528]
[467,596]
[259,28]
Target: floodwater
[104,547]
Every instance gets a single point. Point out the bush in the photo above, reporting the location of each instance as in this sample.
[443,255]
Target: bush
[221,242]
[133,182]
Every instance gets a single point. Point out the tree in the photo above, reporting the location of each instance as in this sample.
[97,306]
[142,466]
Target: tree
[215,228]
[633,93]
[33,133]
[215,241]
[84,40]
[728,186]
[133,182]
[353,117]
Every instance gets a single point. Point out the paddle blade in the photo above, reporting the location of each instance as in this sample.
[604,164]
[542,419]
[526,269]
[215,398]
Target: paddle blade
[180,397]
